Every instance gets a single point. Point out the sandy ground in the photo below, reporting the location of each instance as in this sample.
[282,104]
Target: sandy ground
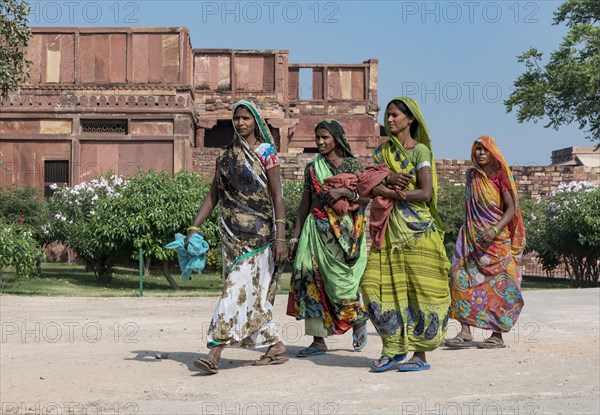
[97,356]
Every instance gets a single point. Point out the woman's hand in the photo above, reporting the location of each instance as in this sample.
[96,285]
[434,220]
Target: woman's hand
[487,237]
[400,179]
[384,191]
[333,195]
[292,248]
[187,238]
[279,251]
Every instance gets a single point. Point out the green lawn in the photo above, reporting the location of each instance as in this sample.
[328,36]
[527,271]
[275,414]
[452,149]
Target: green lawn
[73,281]
[536,283]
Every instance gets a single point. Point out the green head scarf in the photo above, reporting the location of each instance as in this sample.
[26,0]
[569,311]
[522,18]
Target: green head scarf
[263,128]
[422,136]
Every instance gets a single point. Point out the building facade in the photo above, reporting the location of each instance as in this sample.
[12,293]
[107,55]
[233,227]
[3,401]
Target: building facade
[131,99]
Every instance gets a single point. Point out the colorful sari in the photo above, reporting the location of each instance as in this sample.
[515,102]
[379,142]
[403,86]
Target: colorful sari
[486,280]
[405,286]
[244,314]
[331,253]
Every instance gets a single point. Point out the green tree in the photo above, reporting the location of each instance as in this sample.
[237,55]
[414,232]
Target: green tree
[18,249]
[23,205]
[451,206]
[567,230]
[567,88]
[154,207]
[292,194]
[14,35]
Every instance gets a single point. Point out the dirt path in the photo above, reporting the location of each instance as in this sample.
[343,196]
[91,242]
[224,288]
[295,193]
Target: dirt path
[94,355]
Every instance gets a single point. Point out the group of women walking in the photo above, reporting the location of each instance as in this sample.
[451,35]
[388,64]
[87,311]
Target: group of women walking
[404,285]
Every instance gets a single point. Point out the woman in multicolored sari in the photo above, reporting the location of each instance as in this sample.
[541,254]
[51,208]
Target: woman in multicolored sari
[486,278]
[405,286]
[329,246]
[252,226]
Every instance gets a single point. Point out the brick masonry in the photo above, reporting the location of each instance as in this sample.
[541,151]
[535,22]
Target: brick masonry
[532,181]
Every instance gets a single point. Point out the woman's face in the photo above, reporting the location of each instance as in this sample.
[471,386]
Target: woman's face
[243,122]
[397,121]
[324,141]
[483,157]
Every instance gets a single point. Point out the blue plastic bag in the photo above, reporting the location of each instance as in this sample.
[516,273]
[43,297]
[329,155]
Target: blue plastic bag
[194,257]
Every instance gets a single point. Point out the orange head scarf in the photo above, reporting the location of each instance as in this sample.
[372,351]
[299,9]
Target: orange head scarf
[517,230]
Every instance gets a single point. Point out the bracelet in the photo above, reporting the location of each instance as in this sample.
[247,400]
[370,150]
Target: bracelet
[193,228]
[279,240]
[385,181]
[355,196]
[294,240]
[495,228]
[281,221]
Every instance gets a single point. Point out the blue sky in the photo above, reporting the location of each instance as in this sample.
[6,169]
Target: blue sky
[457,58]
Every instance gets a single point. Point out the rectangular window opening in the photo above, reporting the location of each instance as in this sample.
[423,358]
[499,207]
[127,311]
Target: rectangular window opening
[55,172]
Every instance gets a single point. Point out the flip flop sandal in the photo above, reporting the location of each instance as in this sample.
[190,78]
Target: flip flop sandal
[458,343]
[492,343]
[270,360]
[414,366]
[208,364]
[310,351]
[391,362]
[362,334]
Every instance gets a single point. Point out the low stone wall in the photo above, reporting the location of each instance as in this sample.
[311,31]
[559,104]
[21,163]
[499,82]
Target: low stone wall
[532,181]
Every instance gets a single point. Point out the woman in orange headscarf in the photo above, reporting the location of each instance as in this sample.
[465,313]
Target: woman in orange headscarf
[486,278]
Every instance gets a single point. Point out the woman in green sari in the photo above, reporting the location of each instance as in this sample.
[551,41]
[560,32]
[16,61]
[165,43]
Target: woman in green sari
[330,254]
[405,286]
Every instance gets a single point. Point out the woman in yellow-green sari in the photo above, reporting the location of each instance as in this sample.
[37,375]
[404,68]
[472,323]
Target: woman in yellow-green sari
[405,285]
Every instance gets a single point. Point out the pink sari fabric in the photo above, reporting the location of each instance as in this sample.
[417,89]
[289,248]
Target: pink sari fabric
[347,180]
[381,207]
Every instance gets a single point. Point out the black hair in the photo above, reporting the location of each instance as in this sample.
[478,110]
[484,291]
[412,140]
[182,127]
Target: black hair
[414,125]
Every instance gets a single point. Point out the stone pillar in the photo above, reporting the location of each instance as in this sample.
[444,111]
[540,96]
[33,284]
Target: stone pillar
[285,126]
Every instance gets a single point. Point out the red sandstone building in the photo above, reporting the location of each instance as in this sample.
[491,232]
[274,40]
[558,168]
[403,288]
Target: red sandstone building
[125,99]
[129,99]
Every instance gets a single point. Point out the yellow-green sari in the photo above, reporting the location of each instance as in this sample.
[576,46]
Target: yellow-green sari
[405,285]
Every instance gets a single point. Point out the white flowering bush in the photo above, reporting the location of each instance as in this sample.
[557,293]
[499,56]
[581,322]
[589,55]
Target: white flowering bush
[565,228]
[83,219]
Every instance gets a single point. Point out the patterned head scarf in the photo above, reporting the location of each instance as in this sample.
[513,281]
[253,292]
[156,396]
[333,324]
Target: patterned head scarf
[337,131]
[264,135]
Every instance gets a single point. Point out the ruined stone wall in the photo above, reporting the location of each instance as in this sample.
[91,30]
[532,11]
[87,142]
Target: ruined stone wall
[532,181]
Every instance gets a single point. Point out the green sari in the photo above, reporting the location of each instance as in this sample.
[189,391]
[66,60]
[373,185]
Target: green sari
[331,255]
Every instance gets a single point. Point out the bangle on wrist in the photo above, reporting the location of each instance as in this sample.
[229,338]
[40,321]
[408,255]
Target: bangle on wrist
[495,228]
[279,240]
[193,228]
[281,221]
[355,196]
